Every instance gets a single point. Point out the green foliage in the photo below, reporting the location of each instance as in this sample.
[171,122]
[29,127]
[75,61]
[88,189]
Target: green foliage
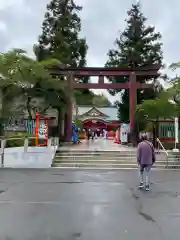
[83,99]
[78,123]
[158,108]
[149,127]
[60,34]
[174,66]
[137,46]
[174,89]
[167,105]
[8,80]
[16,139]
[28,79]
[154,109]
[60,39]
[114,129]
[100,100]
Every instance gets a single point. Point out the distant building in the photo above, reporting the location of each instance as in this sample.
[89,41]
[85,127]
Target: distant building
[97,117]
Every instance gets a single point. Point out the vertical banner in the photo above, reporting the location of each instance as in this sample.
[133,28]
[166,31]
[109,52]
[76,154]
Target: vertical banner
[124,130]
[176,123]
[43,129]
[37,127]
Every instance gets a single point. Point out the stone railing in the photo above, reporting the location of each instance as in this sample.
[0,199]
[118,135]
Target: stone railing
[52,144]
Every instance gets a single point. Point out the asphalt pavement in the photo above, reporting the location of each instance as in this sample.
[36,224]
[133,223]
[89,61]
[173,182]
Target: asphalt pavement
[56,204]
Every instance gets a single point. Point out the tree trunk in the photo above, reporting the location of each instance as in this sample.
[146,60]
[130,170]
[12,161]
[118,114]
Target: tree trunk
[1,127]
[29,108]
[60,118]
[1,113]
[156,132]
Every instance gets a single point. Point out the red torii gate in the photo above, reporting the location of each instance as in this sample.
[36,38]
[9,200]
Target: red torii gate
[132,85]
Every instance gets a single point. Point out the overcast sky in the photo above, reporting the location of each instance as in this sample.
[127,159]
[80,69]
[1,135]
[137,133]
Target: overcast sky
[20,24]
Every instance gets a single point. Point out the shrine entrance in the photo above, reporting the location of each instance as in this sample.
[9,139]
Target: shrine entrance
[72,74]
[94,123]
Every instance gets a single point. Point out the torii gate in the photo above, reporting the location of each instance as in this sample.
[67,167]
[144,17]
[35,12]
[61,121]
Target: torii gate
[132,85]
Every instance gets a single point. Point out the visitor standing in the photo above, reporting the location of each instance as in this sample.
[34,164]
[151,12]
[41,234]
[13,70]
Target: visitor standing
[145,159]
[88,134]
[93,134]
[105,134]
[98,132]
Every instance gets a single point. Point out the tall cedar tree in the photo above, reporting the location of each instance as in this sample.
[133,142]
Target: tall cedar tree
[60,37]
[137,46]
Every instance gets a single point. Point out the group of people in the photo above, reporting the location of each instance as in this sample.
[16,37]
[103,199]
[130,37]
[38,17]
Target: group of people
[96,133]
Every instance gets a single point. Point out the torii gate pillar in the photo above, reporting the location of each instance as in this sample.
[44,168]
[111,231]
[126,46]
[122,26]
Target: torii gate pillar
[132,100]
[68,115]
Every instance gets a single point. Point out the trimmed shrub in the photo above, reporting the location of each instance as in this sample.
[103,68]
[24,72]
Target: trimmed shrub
[17,142]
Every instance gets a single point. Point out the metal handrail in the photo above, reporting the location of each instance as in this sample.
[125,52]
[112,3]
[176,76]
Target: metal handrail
[18,138]
[165,151]
[160,143]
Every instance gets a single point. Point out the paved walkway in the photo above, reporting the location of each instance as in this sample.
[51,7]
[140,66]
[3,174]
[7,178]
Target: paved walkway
[97,144]
[87,205]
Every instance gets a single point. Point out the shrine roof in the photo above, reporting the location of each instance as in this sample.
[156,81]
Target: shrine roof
[110,112]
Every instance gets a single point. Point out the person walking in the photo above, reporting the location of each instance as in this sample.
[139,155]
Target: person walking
[145,159]
[105,133]
[89,132]
[93,133]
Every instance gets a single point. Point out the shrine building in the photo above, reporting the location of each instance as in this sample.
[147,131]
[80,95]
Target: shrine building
[97,117]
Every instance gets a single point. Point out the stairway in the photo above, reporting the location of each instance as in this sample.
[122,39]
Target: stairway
[88,159]
[173,160]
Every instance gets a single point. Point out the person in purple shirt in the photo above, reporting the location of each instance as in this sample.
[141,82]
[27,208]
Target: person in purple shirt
[145,159]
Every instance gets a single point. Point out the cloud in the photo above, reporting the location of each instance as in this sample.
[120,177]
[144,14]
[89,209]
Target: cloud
[23,19]
[20,24]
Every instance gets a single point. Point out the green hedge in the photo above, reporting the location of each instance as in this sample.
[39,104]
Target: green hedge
[17,142]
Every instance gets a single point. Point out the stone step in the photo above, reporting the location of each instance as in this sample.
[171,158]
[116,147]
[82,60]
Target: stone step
[102,158]
[174,153]
[173,157]
[95,153]
[102,154]
[81,165]
[102,151]
[111,166]
[99,165]
[96,150]
[97,161]
[89,159]
[72,151]
[94,156]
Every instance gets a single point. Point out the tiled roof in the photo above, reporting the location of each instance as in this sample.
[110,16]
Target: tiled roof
[109,111]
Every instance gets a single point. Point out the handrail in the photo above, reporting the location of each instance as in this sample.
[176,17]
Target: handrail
[18,138]
[158,140]
[160,143]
